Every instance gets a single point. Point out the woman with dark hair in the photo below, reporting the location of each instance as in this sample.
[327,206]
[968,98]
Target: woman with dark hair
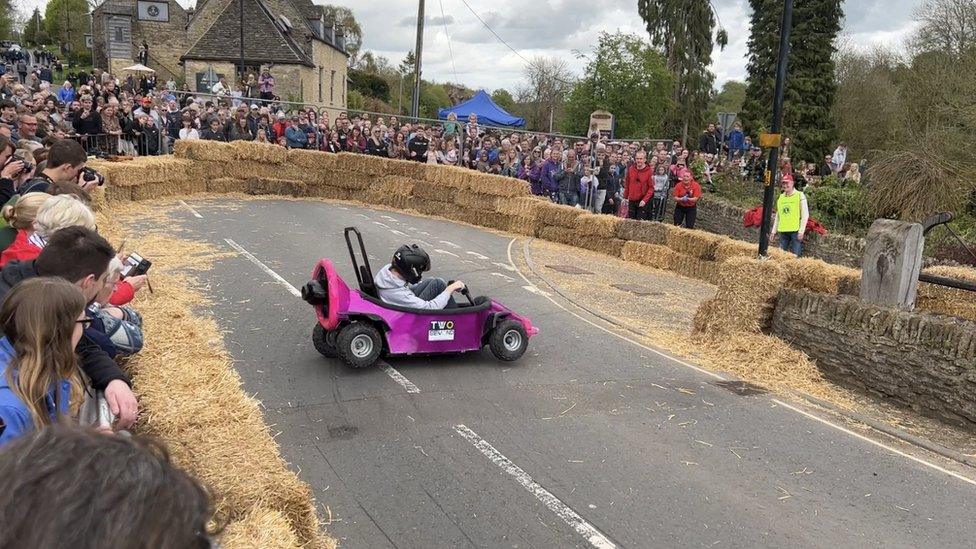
[399,147]
[333,145]
[240,131]
[42,320]
[356,143]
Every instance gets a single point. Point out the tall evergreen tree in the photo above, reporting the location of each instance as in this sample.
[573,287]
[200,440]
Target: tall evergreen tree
[684,30]
[810,84]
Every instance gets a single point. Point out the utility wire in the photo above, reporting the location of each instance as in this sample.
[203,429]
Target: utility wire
[449,48]
[500,39]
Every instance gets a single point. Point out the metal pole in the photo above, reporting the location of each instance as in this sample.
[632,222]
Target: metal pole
[242,40]
[418,53]
[772,164]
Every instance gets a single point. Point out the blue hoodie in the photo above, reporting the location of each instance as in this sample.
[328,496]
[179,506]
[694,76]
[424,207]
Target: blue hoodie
[549,171]
[13,412]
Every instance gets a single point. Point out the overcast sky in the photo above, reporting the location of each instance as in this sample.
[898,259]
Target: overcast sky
[557,27]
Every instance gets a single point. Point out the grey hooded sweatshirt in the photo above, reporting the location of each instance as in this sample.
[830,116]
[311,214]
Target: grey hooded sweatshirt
[393,289]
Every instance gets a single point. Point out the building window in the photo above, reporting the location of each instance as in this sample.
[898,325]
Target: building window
[332,89]
[321,75]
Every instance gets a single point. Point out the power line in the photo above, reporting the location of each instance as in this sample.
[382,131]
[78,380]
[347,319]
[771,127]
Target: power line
[500,39]
[449,48]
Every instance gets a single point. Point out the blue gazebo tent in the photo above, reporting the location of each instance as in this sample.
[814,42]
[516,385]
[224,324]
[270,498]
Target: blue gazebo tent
[488,112]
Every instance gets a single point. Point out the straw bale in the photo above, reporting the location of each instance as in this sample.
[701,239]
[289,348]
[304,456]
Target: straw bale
[261,528]
[315,161]
[729,247]
[246,169]
[523,225]
[226,185]
[430,191]
[598,225]
[562,235]
[698,244]
[554,214]
[199,149]
[933,298]
[433,207]
[391,190]
[650,232]
[406,168]
[448,176]
[145,169]
[346,179]
[746,297]
[285,187]
[361,164]
[693,267]
[98,200]
[522,206]
[493,220]
[117,194]
[329,193]
[651,255]
[476,201]
[494,184]
[459,213]
[183,187]
[818,276]
[200,169]
[609,246]
[260,152]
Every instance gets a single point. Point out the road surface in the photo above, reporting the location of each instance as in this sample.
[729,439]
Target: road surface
[589,441]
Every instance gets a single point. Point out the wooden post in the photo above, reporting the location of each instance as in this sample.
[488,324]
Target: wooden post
[891,264]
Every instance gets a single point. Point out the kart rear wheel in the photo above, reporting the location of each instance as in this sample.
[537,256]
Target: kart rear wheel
[324,341]
[359,344]
[508,340]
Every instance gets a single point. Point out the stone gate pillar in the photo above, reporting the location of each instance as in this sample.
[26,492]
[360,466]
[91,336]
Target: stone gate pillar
[891,264]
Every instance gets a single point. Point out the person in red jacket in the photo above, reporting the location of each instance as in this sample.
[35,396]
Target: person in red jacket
[638,186]
[686,195]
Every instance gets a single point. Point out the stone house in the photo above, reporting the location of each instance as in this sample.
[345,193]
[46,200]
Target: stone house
[291,38]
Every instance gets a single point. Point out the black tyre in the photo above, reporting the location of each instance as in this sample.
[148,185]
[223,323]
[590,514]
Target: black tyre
[324,341]
[508,340]
[359,344]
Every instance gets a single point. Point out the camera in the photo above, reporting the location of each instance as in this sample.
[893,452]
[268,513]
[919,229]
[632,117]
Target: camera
[135,265]
[90,175]
[17,158]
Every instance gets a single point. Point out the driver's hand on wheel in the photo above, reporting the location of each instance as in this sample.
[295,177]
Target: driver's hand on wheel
[455,286]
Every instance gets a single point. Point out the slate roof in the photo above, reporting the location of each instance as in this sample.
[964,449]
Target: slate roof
[265,38]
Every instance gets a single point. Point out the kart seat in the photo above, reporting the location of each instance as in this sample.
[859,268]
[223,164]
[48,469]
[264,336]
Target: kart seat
[366,282]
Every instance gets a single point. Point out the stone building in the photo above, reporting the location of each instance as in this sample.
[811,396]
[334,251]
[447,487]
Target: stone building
[291,38]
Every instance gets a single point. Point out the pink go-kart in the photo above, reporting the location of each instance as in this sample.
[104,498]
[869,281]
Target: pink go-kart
[359,328]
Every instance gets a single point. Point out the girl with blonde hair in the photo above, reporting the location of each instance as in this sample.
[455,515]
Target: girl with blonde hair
[42,321]
[19,216]
[56,213]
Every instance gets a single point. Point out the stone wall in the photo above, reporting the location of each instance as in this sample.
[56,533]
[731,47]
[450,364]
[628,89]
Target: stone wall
[720,216]
[193,66]
[328,62]
[167,40]
[923,361]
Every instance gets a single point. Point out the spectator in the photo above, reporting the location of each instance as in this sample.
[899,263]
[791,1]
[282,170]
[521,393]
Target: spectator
[240,131]
[214,131]
[417,146]
[56,213]
[595,190]
[27,127]
[662,181]
[66,93]
[568,182]
[266,85]
[709,141]
[114,491]
[839,158]
[20,216]
[42,321]
[356,143]
[295,138]
[736,140]
[188,131]
[854,173]
[221,87]
[333,145]
[827,168]
[117,329]
[638,187]
[147,142]
[790,218]
[686,195]
[375,146]
[550,169]
[65,161]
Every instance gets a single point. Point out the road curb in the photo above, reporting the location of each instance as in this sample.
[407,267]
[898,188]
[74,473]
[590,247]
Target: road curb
[854,416]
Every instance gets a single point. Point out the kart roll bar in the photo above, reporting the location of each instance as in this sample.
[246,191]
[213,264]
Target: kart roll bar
[365,279]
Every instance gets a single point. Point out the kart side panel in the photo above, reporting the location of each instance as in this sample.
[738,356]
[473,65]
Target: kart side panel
[424,332]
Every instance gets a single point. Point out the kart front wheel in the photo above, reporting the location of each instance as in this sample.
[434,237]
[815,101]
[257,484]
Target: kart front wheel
[359,345]
[508,340]
[324,341]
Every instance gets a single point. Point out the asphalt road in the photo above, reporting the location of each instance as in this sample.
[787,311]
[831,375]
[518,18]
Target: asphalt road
[588,441]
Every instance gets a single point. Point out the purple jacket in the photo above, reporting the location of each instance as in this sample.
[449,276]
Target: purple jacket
[549,170]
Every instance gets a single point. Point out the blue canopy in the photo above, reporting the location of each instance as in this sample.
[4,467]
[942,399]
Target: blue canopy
[488,112]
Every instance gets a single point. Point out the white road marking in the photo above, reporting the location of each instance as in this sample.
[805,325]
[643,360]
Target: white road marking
[438,250]
[424,242]
[875,442]
[384,225]
[721,378]
[479,256]
[425,233]
[291,289]
[399,378]
[554,504]
[364,216]
[500,275]
[398,233]
[536,290]
[390,218]
[451,244]
[505,266]
[192,211]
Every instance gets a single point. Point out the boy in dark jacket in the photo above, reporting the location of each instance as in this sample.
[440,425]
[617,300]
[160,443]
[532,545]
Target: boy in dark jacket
[568,182]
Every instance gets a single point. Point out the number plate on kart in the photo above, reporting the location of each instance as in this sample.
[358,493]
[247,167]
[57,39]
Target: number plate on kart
[441,330]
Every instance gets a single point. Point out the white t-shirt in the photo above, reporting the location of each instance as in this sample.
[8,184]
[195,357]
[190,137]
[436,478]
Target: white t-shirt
[190,133]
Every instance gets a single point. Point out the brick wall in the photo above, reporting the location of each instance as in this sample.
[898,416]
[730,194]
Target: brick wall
[719,216]
[926,362]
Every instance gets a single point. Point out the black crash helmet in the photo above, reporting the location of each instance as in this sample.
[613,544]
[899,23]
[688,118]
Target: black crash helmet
[411,261]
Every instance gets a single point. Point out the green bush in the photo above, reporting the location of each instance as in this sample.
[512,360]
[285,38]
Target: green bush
[840,206]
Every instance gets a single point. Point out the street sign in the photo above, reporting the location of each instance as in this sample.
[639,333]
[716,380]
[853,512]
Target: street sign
[770,140]
[726,119]
[89,42]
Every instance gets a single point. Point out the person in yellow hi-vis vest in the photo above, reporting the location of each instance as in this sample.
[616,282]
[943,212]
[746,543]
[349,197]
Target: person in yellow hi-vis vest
[790,217]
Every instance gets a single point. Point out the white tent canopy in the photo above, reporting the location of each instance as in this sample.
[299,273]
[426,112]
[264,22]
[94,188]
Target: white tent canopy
[138,67]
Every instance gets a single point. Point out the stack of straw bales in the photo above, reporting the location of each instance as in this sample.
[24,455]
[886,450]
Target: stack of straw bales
[746,297]
[598,233]
[557,223]
[521,212]
[650,232]
[651,255]
[933,298]
[270,185]
[391,190]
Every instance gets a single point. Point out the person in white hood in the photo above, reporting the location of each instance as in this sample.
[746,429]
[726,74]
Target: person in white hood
[399,283]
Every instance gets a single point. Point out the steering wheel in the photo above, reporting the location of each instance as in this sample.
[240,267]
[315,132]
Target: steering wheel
[464,291]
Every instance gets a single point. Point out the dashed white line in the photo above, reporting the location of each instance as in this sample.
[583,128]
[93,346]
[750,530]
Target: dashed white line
[479,256]
[500,275]
[505,266]
[440,251]
[384,225]
[293,290]
[390,218]
[192,211]
[536,290]
[572,518]
[399,378]
[451,244]
[398,233]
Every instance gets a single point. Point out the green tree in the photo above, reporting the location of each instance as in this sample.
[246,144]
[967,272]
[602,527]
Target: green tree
[8,23]
[810,86]
[729,99]
[432,98]
[627,77]
[346,22]
[67,22]
[370,85]
[542,97]
[503,99]
[685,31]
[35,30]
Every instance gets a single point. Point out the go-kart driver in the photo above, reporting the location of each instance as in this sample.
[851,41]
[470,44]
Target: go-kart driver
[399,283]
